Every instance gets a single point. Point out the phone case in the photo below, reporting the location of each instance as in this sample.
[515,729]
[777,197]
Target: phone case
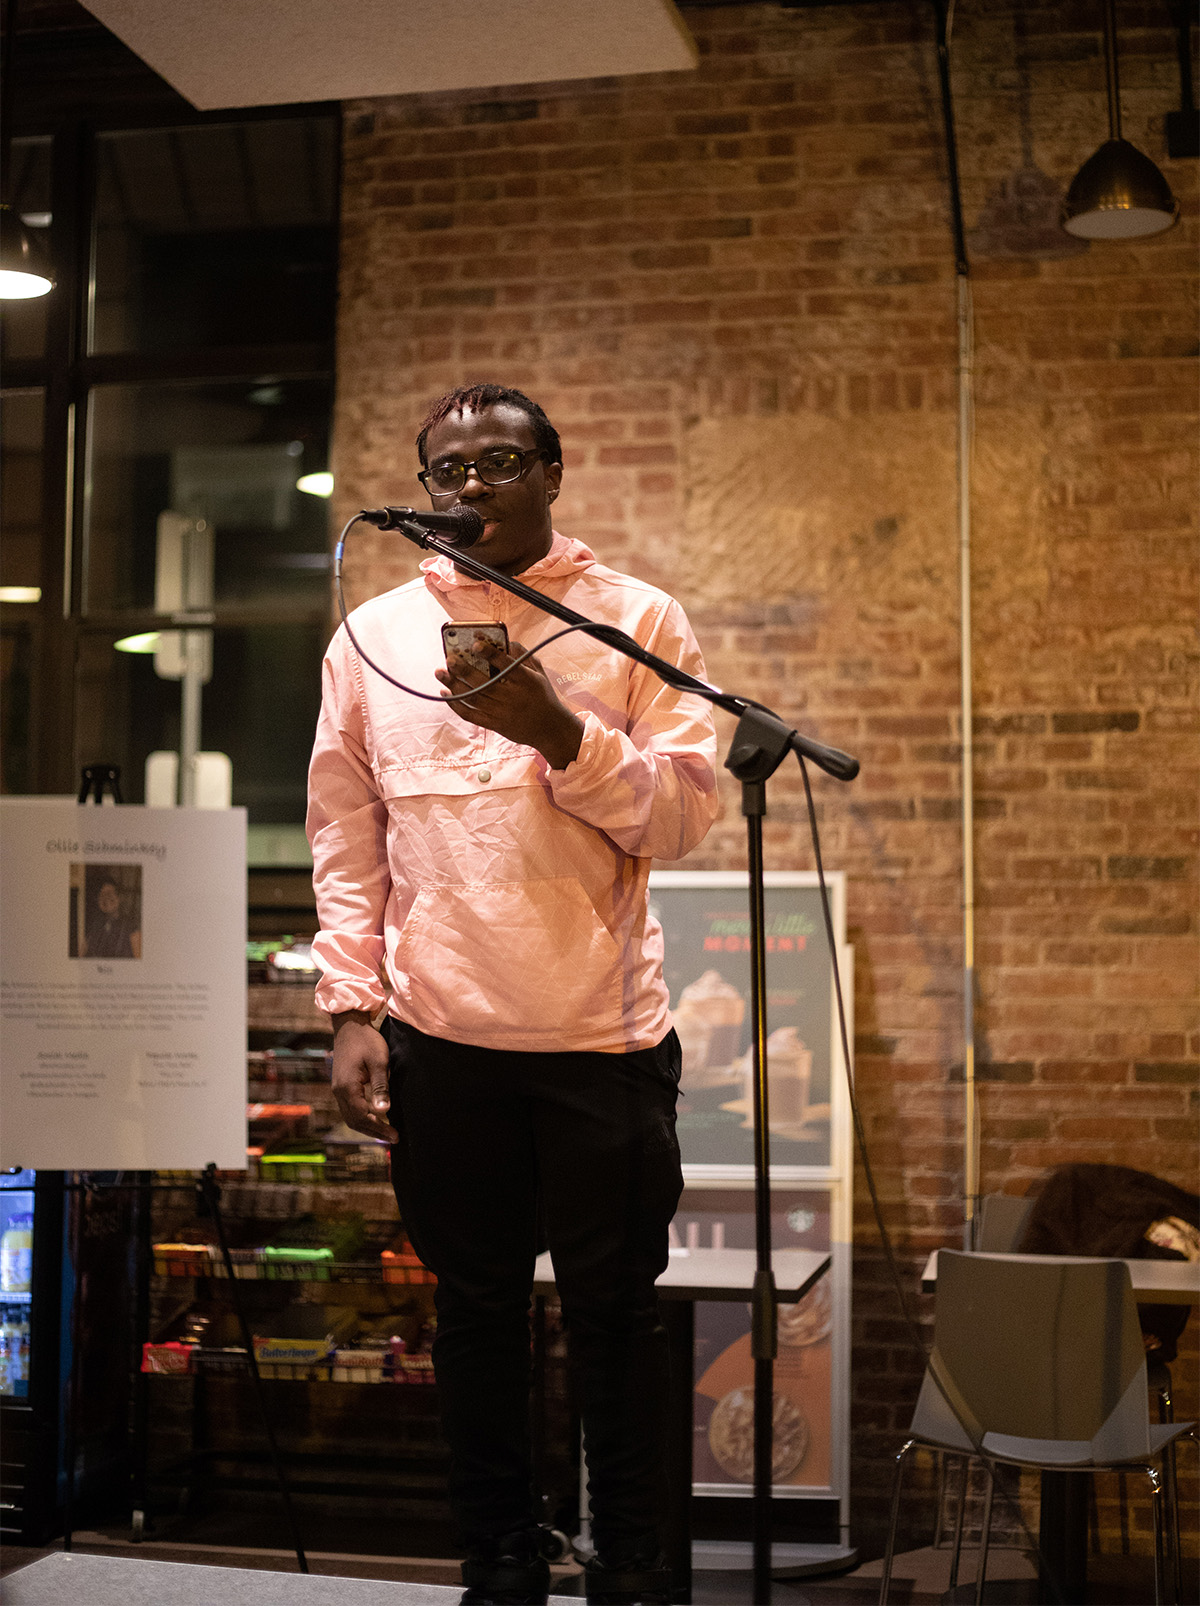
[460,637]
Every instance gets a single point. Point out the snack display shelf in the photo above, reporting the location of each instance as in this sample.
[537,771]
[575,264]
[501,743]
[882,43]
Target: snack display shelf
[247,1198]
[269,1264]
[284,1008]
[293,1361]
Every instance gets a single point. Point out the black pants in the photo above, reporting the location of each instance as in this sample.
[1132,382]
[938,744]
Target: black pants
[491,1143]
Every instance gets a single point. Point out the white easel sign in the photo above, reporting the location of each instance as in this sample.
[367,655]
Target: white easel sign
[122,987]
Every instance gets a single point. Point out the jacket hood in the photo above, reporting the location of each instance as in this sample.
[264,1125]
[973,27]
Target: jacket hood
[565,558]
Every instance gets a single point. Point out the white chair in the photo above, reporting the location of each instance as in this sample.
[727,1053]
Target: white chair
[1037,1362]
[998,1228]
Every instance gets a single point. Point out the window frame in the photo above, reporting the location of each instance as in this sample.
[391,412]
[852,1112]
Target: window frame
[67,373]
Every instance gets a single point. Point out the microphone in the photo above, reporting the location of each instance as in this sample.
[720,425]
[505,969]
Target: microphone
[461,526]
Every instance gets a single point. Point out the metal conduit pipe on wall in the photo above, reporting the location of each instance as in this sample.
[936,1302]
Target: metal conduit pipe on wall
[965,435]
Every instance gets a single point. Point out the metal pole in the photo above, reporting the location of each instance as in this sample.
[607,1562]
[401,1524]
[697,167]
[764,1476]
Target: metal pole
[143,1251]
[189,714]
[77,1212]
[763,1342]
[966,376]
[1110,70]
[965,428]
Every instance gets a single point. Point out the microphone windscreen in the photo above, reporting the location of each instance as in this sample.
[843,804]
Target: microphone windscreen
[468,526]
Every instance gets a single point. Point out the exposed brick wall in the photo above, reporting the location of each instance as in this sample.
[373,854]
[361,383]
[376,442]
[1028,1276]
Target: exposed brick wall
[733,291]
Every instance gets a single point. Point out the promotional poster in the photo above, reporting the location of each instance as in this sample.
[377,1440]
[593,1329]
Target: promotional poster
[123,999]
[706,932]
[723,1398]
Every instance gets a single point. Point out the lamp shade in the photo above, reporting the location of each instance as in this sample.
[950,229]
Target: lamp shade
[1118,194]
[24,268]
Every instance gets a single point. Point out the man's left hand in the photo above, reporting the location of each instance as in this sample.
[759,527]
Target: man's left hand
[524,706]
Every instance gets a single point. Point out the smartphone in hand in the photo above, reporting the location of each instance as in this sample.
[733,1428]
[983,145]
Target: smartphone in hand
[460,635]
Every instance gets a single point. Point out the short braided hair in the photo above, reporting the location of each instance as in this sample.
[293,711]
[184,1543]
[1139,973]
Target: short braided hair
[474,398]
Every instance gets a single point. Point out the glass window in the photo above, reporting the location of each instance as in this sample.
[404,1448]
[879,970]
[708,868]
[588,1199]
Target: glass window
[259,706]
[21,422]
[23,323]
[220,235]
[226,456]
[16,701]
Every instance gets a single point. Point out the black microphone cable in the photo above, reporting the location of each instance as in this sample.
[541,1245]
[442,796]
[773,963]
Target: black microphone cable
[425,696]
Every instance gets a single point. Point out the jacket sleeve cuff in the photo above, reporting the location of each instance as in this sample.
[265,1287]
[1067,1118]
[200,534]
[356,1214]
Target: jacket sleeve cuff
[350,976]
[589,763]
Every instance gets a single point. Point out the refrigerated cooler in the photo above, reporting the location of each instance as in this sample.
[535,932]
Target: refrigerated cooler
[65,1285]
[31,1391]
[16,1285]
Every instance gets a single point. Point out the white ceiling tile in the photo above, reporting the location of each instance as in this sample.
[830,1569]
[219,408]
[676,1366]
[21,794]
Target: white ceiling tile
[220,53]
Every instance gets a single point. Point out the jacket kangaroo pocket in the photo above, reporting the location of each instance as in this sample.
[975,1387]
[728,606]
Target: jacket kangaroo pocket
[531,955]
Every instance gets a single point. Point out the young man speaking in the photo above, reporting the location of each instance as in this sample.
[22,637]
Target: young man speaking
[481,870]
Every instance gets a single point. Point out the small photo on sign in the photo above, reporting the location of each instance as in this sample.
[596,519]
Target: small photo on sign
[105,911]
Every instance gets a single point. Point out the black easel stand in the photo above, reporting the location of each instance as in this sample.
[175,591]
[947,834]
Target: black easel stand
[760,744]
[211,1194]
[144,1187]
[97,781]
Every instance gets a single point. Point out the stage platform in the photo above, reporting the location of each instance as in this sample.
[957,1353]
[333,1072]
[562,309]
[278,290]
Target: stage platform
[121,1581]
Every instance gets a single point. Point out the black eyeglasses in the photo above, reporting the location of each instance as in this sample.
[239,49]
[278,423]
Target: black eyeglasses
[494,468]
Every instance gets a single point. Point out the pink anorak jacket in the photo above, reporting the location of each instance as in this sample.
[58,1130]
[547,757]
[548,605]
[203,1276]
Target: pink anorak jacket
[485,897]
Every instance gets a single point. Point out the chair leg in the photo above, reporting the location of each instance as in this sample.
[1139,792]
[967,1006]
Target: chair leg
[1093,1517]
[885,1582]
[986,1531]
[1166,1413]
[964,1483]
[943,1463]
[1156,1502]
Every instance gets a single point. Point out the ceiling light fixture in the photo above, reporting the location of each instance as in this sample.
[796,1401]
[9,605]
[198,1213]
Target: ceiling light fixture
[1118,193]
[316,484]
[25,271]
[147,641]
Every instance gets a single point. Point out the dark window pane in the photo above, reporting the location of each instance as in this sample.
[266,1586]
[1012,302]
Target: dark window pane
[259,708]
[16,660]
[21,421]
[23,323]
[226,454]
[216,236]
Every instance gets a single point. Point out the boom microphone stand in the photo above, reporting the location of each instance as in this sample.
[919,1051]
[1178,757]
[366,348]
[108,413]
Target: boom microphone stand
[760,744]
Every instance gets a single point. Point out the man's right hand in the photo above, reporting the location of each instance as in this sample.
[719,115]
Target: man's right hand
[360,1075]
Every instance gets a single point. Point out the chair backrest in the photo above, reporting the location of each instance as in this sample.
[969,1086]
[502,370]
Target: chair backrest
[1002,1218]
[1040,1348]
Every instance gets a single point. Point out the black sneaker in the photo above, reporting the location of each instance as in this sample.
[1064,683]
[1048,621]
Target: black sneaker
[510,1571]
[639,1578]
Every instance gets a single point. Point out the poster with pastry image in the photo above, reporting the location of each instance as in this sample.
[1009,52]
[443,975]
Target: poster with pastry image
[723,1448]
[707,946]
[804,1414]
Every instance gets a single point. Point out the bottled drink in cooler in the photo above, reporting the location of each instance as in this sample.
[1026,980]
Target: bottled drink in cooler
[16,1255]
[14,1357]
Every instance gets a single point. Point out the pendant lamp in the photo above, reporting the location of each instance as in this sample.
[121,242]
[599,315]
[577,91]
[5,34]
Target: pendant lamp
[24,269]
[1118,194]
